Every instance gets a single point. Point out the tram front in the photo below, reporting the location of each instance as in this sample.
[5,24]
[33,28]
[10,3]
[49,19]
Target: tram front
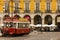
[8,28]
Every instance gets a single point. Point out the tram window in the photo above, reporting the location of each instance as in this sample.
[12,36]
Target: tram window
[14,25]
[11,24]
[20,25]
[6,24]
[23,25]
[26,25]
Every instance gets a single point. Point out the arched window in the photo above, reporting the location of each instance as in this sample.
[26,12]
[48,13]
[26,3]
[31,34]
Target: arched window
[28,17]
[5,16]
[17,16]
[37,19]
[48,20]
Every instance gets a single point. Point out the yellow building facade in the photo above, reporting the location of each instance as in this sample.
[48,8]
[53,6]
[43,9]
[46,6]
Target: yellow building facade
[42,5]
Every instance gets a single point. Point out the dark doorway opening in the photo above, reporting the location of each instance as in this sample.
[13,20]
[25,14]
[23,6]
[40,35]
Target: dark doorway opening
[48,20]
[37,20]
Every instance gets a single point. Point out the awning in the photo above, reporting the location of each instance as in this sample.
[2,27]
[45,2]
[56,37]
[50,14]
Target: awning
[31,25]
[38,25]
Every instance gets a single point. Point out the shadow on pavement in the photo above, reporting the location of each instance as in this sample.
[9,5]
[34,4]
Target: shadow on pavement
[15,35]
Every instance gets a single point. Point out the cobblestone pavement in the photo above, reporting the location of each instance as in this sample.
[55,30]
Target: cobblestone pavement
[36,36]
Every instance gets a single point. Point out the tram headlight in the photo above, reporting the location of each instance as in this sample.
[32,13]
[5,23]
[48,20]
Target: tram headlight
[7,25]
[2,24]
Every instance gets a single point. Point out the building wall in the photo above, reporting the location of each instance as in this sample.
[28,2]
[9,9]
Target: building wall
[1,5]
[43,5]
[54,6]
[21,6]
[32,5]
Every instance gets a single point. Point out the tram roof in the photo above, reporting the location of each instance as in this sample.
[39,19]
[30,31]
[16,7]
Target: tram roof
[15,20]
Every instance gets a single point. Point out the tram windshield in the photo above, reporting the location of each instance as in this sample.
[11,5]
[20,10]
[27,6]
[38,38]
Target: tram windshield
[23,25]
[8,24]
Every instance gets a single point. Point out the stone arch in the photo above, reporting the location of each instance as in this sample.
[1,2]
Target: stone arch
[5,16]
[28,17]
[48,19]
[37,19]
[17,16]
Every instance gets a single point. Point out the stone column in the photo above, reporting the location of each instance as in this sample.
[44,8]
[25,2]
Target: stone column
[42,21]
[53,21]
[32,21]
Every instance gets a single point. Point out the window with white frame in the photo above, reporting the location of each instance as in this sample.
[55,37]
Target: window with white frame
[6,7]
[48,6]
[59,7]
[58,1]
[16,7]
[37,6]
[26,6]
[49,1]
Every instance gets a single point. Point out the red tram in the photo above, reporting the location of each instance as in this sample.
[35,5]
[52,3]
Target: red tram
[12,25]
